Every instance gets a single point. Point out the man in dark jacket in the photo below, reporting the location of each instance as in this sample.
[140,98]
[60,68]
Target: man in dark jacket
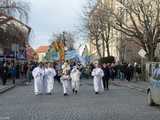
[4,73]
[129,72]
[106,76]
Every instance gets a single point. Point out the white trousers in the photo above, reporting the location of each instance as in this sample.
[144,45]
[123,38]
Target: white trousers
[98,85]
[38,86]
[66,86]
[75,84]
[49,83]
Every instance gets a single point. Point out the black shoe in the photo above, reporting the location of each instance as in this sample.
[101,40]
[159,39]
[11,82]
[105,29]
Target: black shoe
[65,94]
[73,90]
[96,93]
[48,93]
[76,92]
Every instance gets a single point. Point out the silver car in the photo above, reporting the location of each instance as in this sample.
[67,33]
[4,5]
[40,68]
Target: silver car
[153,93]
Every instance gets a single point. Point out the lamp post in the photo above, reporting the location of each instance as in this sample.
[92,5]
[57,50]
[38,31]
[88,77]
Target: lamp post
[64,39]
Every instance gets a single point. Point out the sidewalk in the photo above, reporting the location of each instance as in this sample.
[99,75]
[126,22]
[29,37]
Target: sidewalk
[137,85]
[9,85]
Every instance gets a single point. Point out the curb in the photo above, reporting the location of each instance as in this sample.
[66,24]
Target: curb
[131,87]
[7,88]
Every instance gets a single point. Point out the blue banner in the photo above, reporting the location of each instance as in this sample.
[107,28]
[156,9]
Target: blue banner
[71,54]
[55,56]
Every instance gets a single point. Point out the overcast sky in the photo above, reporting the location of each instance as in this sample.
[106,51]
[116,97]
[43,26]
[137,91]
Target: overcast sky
[53,16]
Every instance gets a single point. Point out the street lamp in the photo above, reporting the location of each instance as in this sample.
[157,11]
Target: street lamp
[64,39]
[64,42]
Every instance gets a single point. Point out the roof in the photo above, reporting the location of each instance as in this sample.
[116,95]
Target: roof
[42,49]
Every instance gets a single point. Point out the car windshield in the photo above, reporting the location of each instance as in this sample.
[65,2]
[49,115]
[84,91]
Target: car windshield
[156,73]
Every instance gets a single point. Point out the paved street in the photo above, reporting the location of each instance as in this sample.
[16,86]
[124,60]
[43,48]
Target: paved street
[117,104]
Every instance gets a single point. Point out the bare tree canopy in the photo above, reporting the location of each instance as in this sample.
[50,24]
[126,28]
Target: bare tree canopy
[98,26]
[66,37]
[139,19]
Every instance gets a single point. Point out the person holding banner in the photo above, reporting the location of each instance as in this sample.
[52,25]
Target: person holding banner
[65,79]
[66,67]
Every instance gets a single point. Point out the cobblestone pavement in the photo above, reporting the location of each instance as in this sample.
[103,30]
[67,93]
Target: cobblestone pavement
[141,86]
[118,103]
[9,85]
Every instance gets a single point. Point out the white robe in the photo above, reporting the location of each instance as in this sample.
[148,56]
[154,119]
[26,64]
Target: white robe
[65,83]
[75,77]
[38,74]
[50,73]
[98,73]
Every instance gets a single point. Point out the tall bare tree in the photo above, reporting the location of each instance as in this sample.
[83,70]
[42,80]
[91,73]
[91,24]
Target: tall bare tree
[98,26]
[143,23]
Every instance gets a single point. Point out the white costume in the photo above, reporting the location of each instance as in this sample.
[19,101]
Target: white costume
[50,73]
[75,77]
[38,74]
[98,73]
[66,83]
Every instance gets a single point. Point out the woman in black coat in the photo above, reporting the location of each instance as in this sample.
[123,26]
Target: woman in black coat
[106,76]
[4,73]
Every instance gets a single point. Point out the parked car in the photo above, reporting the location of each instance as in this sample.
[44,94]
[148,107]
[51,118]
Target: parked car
[153,93]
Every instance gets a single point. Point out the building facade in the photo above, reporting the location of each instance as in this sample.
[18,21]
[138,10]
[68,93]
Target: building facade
[13,39]
[41,52]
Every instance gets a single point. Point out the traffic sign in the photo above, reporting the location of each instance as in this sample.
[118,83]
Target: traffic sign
[142,53]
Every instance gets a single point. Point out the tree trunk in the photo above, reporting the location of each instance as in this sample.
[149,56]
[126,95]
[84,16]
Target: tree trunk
[98,50]
[107,47]
[151,54]
[103,48]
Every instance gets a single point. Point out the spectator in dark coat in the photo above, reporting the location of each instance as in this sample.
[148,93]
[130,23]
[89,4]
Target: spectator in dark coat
[4,73]
[129,72]
[18,71]
[106,76]
[13,72]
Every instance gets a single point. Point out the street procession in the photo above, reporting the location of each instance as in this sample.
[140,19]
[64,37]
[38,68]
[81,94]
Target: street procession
[79,59]
[44,76]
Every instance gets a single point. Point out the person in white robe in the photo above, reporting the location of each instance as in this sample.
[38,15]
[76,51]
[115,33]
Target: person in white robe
[50,73]
[97,74]
[65,80]
[75,79]
[38,75]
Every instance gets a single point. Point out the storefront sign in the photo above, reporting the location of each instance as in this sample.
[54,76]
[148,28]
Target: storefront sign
[21,54]
[8,53]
